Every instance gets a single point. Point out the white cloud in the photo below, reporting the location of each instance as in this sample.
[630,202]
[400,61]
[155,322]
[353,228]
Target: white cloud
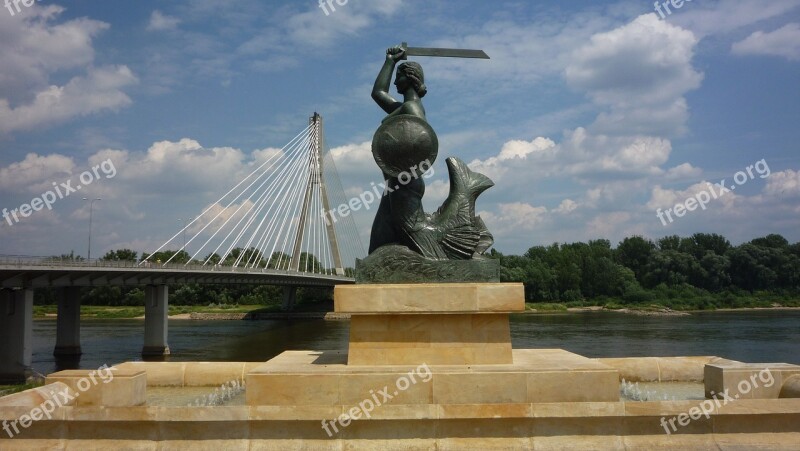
[668,198]
[784,184]
[608,224]
[526,51]
[161,22]
[580,154]
[34,172]
[684,171]
[783,42]
[352,159]
[516,152]
[513,217]
[36,48]
[100,90]
[275,47]
[566,206]
[641,71]
[711,17]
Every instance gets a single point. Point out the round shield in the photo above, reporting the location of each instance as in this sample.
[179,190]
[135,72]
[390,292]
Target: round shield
[403,142]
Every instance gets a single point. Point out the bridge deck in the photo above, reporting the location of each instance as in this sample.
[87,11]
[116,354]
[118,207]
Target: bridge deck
[32,274]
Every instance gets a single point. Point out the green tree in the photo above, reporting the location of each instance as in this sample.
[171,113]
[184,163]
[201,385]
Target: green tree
[162,257]
[634,253]
[673,268]
[717,275]
[71,257]
[773,241]
[705,242]
[670,243]
[751,267]
[121,255]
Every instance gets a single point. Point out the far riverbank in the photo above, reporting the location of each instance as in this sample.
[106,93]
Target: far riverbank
[257,312]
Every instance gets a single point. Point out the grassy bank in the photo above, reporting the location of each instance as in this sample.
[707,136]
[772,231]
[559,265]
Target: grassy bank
[6,390]
[651,301]
[111,312]
[107,312]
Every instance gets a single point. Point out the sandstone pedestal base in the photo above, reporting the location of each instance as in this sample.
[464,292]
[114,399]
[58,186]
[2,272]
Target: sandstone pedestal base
[435,339]
[435,324]
[323,378]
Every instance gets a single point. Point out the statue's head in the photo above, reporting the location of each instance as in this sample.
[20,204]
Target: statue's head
[410,74]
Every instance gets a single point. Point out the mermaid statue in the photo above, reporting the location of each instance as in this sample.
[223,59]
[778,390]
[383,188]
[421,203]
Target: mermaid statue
[404,146]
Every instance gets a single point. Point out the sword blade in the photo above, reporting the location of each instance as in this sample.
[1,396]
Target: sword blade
[440,53]
[449,53]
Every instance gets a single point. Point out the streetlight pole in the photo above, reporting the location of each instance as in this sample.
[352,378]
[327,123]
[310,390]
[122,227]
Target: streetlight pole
[183,223]
[91,206]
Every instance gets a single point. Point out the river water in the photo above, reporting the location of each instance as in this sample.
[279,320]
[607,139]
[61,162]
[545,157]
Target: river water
[749,336]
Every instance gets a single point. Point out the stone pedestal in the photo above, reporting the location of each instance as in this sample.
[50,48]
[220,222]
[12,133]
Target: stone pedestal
[435,324]
[426,346]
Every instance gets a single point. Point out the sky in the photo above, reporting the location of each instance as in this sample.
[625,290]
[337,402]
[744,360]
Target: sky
[594,119]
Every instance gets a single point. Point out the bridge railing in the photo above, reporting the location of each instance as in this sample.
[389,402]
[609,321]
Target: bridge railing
[27,261]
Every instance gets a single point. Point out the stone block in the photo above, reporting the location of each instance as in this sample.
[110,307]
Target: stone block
[747,380]
[430,298]
[212,374]
[435,339]
[109,387]
[159,374]
[55,391]
[315,379]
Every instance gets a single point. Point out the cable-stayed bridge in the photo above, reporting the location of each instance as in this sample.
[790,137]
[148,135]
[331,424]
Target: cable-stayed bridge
[273,227]
[275,217]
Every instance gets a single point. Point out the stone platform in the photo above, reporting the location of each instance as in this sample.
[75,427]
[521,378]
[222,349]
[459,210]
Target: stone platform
[309,378]
[457,333]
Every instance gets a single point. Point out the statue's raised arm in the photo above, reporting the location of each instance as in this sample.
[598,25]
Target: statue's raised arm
[380,91]
[410,82]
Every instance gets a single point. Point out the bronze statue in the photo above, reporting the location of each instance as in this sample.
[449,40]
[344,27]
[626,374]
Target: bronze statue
[404,145]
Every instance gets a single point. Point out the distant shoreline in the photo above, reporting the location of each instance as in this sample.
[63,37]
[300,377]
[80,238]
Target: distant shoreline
[657,312]
[250,316]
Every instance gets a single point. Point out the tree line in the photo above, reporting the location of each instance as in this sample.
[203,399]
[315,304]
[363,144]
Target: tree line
[701,271]
[200,294]
[704,271]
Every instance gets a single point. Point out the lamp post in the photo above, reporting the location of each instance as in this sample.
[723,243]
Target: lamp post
[91,206]
[183,223]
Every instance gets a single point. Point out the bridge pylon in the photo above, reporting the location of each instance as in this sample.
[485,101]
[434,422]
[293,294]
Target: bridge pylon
[316,181]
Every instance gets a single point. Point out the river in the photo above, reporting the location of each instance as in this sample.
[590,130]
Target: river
[751,336]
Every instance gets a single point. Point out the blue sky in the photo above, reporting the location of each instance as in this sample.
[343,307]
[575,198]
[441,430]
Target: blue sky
[589,117]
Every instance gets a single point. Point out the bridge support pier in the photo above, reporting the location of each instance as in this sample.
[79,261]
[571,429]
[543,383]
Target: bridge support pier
[16,333]
[68,327]
[289,297]
[156,312]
